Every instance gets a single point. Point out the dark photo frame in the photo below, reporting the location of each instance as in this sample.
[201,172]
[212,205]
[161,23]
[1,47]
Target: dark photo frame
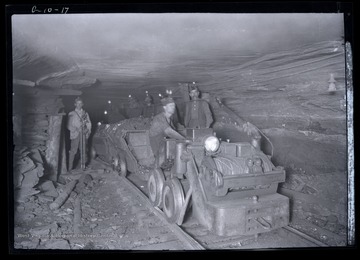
[276,76]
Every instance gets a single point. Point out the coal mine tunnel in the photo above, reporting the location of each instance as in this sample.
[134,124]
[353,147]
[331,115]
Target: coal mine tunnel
[280,75]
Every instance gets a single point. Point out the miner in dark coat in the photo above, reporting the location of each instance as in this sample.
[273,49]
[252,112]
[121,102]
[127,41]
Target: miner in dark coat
[197,111]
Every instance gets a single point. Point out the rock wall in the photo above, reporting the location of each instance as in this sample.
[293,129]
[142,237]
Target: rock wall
[38,130]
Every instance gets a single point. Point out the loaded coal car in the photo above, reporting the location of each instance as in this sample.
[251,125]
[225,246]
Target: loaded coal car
[125,145]
[231,187]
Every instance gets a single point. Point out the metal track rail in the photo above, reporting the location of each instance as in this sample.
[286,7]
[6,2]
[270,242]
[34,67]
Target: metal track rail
[189,242]
[304,236]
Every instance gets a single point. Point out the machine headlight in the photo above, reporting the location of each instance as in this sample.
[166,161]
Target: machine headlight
[212,143]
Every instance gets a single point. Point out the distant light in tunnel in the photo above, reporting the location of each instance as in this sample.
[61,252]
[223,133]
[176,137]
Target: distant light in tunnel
[129,96]
[99,123]
[109,101]
[105,112]
[13,93]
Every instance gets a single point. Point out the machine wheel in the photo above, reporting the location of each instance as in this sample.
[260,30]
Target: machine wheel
[122,164]
[119,164]
[172,199]
[155,186]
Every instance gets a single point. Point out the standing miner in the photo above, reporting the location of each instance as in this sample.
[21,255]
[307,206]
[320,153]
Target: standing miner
[79,125]
[197,111]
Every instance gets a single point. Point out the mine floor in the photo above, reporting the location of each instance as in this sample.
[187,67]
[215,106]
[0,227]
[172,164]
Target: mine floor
[112,218]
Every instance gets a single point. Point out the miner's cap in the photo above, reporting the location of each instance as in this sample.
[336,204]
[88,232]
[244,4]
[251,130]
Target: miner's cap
[167,100]
[79,99]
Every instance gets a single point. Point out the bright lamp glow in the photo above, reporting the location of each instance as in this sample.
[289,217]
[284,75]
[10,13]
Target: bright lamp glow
[212,143]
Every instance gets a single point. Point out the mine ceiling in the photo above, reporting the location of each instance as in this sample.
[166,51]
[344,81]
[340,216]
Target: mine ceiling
[123,53]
